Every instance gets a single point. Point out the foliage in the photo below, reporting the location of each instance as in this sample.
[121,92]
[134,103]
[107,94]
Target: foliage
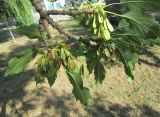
[129,59]
[30,31]
[136,27]
[19,9]
[98,21]
[17,64]
[81,93]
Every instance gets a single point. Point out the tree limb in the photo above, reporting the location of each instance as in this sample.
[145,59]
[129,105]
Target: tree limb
[43,14]
[70,12]
[68,34]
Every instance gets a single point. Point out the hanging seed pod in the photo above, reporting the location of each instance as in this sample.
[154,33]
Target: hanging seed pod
[71,64]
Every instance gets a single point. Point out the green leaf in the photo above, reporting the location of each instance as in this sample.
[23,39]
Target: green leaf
[71,63]
[138,18]
[30,31]
[99,72]
[81,93]
[140,24]
[17,64]
[94,64]
[137,26]
[152,42]
[81,58]
[47,68]
[95,85]
[39,78]
[129,59]
[84,71]
[91,61]
[130,80]
[140,4]
[63,56]
[51,72]
[19,9]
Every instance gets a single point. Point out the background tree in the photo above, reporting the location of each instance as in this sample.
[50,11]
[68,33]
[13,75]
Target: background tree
[19,9]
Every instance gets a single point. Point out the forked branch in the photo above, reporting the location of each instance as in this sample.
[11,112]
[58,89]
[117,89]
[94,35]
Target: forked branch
[45,14]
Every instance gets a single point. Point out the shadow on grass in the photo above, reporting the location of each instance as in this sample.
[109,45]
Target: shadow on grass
[12,87]
[103,108]
[58,106]
[5,35]
[117,110]
[150,54]
[30,31]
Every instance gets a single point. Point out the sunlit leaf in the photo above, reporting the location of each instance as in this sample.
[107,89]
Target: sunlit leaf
[140,24]
[91,61]
[71,64]
[81,93]
[39,78]
[51,72]
[47,68]
[99,72]
[140,4]
[129,59]
[17,64]
[137,18]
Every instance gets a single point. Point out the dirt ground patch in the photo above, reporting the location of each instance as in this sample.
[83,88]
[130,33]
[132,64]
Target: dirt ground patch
[20,97]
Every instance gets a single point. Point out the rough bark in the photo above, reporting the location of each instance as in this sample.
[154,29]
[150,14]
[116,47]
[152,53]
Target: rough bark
[70,12]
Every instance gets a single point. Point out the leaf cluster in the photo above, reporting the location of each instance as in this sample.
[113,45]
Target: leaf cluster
[19,9]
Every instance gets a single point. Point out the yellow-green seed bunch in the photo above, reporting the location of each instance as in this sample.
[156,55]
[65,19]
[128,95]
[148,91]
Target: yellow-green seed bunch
[98,21]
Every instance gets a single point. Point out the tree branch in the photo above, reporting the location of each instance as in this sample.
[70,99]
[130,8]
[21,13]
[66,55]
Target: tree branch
[70,12]
[42,33]
[43,14]
[68,34]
